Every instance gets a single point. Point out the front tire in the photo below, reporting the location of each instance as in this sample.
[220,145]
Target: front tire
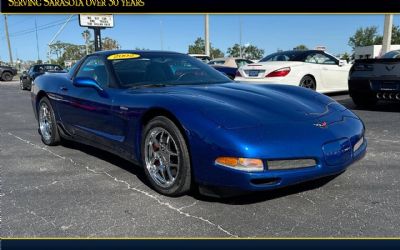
[47,123]
[308,82]
[166,157]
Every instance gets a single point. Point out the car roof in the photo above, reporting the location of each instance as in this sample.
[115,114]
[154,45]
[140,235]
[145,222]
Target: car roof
[112,52]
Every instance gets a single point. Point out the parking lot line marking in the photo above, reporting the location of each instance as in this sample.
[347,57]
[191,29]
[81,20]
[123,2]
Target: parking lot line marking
[152,196]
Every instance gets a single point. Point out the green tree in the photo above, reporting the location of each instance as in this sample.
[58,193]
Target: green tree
[199,47]
[110,44]
[248,52]
[396,35]
[67,51]
[365,37]
[346,57]
[300,47]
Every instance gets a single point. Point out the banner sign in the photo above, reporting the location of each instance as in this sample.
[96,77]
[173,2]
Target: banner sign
[199,6]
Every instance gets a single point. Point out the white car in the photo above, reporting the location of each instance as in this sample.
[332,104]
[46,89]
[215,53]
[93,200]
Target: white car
[312,69]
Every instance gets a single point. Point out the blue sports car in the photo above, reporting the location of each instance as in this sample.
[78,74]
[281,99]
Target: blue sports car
[189,125]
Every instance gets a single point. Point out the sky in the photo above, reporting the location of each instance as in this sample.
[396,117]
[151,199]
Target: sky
[176,32]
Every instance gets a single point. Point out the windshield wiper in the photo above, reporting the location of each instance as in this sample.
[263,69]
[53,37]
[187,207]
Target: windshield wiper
[151,85]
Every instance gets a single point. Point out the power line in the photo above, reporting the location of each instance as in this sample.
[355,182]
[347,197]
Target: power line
[39,27]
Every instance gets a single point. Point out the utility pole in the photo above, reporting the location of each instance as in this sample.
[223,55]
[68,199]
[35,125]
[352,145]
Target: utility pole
[86,37]
[387,33]
[37,42]
[8,39]
[207,36]
[161,36]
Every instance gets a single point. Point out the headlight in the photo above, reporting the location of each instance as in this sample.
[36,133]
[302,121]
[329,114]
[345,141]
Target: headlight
[290,164]
[358,144]
[245,164]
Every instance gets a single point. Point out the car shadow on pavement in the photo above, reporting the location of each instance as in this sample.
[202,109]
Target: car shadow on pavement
[108,157]
[248,198]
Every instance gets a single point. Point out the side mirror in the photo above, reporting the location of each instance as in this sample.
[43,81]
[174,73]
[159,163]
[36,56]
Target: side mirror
[87,82]
[342,63]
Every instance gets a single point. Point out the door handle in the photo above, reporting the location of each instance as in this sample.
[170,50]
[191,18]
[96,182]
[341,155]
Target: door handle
[63,88]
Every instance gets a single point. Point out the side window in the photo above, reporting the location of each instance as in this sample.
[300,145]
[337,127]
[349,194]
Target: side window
[329,59]
[319,58]
[311,58]
[94,68]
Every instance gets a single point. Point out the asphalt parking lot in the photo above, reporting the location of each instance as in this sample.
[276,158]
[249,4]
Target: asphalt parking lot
[77,191]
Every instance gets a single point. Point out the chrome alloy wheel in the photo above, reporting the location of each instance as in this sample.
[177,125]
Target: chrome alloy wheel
[161,157]
[45,123]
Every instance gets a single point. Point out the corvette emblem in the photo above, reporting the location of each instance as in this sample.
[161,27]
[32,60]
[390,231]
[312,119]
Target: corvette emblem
[321,125]
[389,68]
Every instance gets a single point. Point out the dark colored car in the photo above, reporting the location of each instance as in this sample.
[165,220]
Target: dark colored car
[7,73]
[228,71]
[229,65]
[372,80]
[188,125]
[34,71]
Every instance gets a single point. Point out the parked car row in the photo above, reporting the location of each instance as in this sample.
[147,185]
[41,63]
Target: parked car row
[367,80]
[313,69]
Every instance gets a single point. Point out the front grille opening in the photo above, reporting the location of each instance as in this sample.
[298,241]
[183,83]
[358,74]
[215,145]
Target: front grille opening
[291,164]
[265,181]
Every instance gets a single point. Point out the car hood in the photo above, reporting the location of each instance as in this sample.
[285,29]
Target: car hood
[237,105]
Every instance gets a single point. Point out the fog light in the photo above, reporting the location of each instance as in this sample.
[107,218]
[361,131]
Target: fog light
[290,164]
[246,164]
[358,144]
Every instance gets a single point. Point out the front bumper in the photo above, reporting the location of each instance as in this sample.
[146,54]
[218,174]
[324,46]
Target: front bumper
[334,149]
[237,181]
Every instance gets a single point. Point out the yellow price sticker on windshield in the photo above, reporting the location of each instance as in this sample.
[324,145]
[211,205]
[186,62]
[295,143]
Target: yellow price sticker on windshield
[123,56]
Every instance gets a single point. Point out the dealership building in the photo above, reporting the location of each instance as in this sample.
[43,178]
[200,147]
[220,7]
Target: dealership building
[373,51]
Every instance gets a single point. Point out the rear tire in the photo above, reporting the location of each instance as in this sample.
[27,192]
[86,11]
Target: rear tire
[308,82]
[47,123]
[364,100]
[7,76]
[165,157]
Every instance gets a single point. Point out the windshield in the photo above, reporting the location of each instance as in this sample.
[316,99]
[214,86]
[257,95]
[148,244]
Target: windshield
[392,54]
[282,56]
[164,69]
